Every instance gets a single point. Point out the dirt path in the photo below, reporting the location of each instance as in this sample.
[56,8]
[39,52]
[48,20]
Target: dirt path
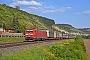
[87,44]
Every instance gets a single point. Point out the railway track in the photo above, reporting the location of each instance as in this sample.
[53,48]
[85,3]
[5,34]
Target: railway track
[8,48]
[15,44]
[5,45]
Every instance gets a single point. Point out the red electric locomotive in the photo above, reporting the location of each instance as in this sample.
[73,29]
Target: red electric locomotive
[35,34]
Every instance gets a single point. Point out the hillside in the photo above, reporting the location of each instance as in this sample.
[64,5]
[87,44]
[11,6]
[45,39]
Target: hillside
[68,28]
[10,17]
[86,30]
[14,18]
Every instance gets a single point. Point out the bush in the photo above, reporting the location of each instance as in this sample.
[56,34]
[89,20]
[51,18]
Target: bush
[68,50]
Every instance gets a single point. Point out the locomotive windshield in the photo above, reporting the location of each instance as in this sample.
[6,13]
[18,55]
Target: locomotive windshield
[29,30]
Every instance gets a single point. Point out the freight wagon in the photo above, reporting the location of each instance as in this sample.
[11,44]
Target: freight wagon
[35,34]
[53,35]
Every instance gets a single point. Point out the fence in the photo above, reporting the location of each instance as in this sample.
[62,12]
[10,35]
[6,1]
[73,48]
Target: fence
[12,35]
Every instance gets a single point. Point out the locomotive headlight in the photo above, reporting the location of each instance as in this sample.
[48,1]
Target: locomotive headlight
[31,34]
[26,34]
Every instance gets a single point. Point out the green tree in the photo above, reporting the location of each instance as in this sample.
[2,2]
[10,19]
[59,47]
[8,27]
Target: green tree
[16,25]
[17,7]
[4,25]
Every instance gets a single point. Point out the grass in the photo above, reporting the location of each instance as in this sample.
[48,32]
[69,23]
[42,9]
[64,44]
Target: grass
[68,50]
[11,39]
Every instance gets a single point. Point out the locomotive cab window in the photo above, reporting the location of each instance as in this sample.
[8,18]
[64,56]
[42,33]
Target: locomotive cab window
[29,30]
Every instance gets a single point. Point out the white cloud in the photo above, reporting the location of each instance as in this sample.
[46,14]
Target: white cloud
[33,9]
[49,7]
[34,6]
[57,10]
[36,9]
[26,3]
[84,13]
[53,11]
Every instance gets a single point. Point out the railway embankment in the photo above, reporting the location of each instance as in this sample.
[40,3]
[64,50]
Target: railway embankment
[19,46]
[67,50]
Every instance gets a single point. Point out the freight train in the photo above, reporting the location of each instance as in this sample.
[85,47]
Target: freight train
[35,34]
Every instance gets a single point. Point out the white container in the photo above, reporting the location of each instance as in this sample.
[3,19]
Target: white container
[50,34]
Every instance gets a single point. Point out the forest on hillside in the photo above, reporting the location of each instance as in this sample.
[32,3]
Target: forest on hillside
[13,18]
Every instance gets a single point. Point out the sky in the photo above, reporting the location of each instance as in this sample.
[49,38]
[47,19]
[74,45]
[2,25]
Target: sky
[73,12]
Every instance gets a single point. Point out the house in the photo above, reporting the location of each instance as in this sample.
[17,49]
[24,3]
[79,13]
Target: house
[9,30]
[1,31]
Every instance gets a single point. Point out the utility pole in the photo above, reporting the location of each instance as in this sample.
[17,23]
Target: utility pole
[2,25]
[2,28]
